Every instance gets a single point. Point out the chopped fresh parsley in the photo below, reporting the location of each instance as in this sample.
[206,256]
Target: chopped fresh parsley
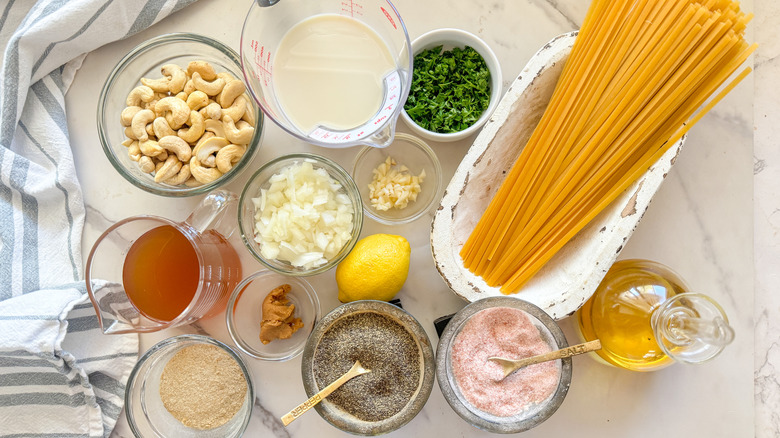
[450,89]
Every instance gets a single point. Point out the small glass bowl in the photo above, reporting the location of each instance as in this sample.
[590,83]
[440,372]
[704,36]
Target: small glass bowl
[145,60]
[146,414]
[529,418]
[348,422]
[246,210]
[416,155]
[449,38]
[245,314]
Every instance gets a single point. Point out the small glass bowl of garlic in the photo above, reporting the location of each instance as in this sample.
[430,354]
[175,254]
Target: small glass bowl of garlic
[400,183]
[300,214]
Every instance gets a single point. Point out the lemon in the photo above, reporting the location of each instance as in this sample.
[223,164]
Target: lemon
[376,269]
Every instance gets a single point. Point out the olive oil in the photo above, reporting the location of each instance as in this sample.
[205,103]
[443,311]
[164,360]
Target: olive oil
[620,312]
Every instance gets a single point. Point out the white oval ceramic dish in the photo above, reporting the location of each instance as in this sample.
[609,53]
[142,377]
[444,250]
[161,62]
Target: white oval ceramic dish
[449,38]
[571,276]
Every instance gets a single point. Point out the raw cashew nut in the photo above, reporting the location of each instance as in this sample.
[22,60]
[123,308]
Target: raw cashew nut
[129,133]
[249,113]
[159,85]
[238,134]
[216,127]
[197,100]
[139,94]
[134,151]
[182,176]
[208,147]
[203,68]
[146,164]
[192,182]
[128,113]
[139,122]
[176,145]
[175,111]
[170,167]
[150,148]
[196,129]
[204,175]
[189,87]
[162,128]
[228,156]
[230,92]
[178,77]
[173,80]
[212,111]
[206,135]
[236,109]
[226,76]
[212,88]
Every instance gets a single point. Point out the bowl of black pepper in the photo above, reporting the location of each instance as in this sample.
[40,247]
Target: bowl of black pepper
[456,85]
[385,339]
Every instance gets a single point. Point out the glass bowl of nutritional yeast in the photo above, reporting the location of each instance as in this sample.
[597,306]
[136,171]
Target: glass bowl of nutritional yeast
[385,339]
[476,388]
[189,386]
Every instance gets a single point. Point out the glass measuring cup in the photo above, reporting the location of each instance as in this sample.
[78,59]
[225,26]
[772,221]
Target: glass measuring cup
[265,27]
[132,260]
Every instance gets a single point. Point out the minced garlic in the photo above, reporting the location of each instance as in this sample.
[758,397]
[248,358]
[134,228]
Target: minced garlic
[393,187]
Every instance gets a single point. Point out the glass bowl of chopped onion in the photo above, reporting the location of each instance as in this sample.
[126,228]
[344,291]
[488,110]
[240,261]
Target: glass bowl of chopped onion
[399,183]
[300,214]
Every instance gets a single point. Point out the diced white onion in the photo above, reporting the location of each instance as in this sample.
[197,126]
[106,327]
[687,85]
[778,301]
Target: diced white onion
[303,217]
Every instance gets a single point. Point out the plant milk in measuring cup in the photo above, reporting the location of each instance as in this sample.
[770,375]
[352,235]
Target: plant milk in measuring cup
[333,73]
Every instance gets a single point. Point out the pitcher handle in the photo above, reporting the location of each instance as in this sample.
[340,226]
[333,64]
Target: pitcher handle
[217,211]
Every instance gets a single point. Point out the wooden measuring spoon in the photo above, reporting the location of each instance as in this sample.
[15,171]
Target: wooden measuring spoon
[511,365]
[356,370]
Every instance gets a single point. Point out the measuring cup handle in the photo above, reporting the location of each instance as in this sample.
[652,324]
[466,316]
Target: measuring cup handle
[217,211]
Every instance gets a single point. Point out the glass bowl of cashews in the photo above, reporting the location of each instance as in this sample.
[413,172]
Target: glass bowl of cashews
[174,117]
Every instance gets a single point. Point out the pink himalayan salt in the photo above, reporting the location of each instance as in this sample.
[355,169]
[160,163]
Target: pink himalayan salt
[504,332]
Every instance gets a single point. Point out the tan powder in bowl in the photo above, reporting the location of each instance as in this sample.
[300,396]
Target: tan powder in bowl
[202,386]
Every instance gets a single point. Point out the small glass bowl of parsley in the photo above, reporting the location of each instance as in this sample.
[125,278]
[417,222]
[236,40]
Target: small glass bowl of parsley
[456,85]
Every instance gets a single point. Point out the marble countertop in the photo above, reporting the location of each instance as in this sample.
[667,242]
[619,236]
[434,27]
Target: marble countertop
[699,223]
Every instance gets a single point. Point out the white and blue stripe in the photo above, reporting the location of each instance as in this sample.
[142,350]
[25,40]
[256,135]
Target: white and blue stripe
[59,376]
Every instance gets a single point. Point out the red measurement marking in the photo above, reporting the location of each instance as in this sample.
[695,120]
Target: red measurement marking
[361,133]
[389,18]
[351,8]
[389,107]
[379,120]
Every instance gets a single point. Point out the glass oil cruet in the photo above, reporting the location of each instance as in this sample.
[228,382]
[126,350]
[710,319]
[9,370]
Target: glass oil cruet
[646,319]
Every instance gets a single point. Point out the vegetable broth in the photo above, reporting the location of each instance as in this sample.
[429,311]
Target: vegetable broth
[162,273]
[329,70]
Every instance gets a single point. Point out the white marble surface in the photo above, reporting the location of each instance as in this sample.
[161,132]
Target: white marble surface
[700,223]
[766,195]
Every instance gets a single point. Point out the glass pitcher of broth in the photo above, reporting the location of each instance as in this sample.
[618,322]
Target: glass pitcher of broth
[147,273]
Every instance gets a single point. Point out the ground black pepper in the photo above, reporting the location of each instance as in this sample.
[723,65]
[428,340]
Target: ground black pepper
[382,345]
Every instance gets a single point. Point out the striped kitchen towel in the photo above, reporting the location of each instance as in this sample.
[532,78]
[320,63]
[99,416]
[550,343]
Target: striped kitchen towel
[59,375]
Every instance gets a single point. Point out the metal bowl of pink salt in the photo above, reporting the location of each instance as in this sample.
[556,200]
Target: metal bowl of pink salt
[474,386]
